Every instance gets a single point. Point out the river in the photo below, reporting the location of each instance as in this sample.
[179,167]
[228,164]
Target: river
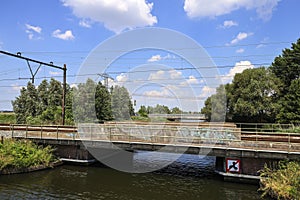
[190,177]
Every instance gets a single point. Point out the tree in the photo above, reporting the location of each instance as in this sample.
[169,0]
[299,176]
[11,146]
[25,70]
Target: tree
[290,110]
[103,103]
[159,109]
[42,105]
[143,111]
[56,93]
[251,97]
[19,106]
[287,66]
[254,96]
[84,102]
[43,93]
[122,108]
[176,110]
[207,109]
[215,106]
[31,100]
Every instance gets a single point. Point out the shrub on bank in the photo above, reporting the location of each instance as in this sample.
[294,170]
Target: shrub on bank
[23,154]
[283,182]
[7,118]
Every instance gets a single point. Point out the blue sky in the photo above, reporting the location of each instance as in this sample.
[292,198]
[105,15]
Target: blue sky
[236,34]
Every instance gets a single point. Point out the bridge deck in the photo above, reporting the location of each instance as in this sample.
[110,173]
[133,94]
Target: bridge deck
[226,136]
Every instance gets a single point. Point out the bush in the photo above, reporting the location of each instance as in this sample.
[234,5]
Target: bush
[283,182]
[8,118]
[23,154]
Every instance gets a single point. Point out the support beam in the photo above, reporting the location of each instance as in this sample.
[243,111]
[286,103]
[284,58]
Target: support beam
[64,68]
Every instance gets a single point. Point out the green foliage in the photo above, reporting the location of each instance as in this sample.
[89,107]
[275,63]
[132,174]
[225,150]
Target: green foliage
[251,97]
[8,118]
[140,118]
[43,105]
[262,95]
[56,93]
[158,109]
[207,109]
[287,66]
[176,110]
[23,154]
[283,182]
[255,96]
[93,102]
[84,102]
[103,103]
[143,112]
[122,108]
[290,104]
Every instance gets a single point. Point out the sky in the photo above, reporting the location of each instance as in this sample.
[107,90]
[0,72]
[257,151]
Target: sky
[235,35]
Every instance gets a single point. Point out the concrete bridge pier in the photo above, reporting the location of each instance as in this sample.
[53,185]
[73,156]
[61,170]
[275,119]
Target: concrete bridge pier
[84,154]
[242,169]
[74,154]
[118,159]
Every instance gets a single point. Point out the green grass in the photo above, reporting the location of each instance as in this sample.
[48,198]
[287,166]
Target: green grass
[23,154]
[283,182]
[7,118]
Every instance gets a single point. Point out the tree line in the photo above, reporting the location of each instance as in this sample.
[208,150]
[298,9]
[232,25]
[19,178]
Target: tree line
[261,95]
[43,104]
[158,109]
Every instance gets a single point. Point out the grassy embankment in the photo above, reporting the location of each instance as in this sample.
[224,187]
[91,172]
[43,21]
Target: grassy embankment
[21,155]
[7,118]
[282,182]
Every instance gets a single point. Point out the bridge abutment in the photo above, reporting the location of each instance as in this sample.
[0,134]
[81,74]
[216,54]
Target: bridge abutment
[242,169]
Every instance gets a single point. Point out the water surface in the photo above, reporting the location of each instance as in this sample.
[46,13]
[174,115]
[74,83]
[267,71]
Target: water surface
[191,177]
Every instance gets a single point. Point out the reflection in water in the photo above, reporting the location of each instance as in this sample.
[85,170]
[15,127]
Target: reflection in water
[190,177]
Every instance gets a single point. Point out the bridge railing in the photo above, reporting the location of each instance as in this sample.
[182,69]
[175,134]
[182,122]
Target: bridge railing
[241,136]
[34,131]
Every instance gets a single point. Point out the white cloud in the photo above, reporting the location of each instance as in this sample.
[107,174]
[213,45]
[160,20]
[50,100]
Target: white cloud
[54,73]
[175,74]
[116,15]
[67,35]
[241,36]
[36,29]
[32,31]
[228,24]
[158,93]
[155,58]
[157,75]
[85,23]
[215,8]
[122,78]
[158,57]
[206,92]
[192,80]
[16,87]
[238,68]
[74,85]
[241,50]
[262,43]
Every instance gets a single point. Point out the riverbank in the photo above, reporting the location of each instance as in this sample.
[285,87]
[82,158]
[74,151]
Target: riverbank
[20,156]
[282,182]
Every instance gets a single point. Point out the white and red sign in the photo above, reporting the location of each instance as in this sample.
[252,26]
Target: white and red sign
[233,165]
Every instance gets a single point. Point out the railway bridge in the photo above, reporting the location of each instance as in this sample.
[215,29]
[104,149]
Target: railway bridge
[241,150]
